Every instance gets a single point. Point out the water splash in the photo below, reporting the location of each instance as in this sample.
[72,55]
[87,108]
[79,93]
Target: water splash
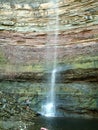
[50,108]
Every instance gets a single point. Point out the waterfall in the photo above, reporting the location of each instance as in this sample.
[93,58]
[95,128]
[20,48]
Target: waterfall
[49,107]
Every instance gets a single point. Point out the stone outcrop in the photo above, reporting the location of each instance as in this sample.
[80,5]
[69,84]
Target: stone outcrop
[78,48]
[64,76]
[27,16]
[26,29]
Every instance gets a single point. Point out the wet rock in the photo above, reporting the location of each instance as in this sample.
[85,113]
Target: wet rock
[9,108]
[69,75]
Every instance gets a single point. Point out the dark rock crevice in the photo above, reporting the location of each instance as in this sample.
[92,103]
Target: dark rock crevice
[88,75]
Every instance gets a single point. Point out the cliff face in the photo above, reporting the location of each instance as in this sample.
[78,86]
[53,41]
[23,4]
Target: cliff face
[27,43]
[26,28]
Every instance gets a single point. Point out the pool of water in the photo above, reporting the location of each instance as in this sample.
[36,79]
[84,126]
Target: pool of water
[65,124]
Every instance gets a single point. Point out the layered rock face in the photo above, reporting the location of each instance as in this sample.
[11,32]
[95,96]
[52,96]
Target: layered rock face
[29,34]
[26,29]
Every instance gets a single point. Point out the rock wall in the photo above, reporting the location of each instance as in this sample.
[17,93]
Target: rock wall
[27,45]
[26,28]
[27,16]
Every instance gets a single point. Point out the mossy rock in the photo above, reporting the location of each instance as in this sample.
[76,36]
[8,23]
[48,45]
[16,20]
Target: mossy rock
[3,59]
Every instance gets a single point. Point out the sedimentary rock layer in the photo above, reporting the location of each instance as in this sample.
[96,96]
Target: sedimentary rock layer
[29,33]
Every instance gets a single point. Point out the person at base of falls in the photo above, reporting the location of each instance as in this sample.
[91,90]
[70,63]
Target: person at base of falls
[42,128]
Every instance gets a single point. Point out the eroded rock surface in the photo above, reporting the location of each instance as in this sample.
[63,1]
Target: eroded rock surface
[27,32]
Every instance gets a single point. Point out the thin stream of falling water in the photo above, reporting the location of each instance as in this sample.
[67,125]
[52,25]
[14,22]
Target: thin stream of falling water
[49,109]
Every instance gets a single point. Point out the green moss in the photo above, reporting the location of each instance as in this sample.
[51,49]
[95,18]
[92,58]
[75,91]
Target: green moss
[21,68]
[82,62]
[85,59]
[28,68]
[2,58]
[84,65]
[86,62]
